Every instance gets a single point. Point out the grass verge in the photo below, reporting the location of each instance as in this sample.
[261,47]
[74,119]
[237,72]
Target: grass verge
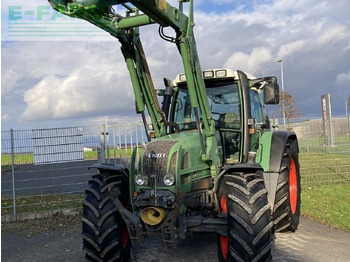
[21,159]
[30,227]
[34,203]
[328,204]
[6,168]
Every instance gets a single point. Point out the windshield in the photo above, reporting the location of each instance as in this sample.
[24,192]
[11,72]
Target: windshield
[224,104]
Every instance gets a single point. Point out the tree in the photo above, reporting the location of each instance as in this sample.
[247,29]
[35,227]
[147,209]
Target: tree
[289,106]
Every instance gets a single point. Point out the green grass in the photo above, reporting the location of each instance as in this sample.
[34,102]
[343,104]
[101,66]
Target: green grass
[325,187]
[6,168]
[21,159]
[324,168]
[34,203]
[341,144]
[117,153]
[328,204]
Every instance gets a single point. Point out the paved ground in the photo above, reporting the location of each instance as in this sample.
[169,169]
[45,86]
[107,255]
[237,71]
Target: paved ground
[61,242]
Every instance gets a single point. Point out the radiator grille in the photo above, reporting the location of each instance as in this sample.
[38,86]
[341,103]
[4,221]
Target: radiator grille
[155,160]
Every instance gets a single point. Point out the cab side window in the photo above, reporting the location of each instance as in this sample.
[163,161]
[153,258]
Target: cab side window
[257,110]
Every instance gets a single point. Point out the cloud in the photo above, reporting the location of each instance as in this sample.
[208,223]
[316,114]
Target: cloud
[62,80]
[328,36]
[254,63]
[86,91]
[291,48]
[9,78]
[343,79]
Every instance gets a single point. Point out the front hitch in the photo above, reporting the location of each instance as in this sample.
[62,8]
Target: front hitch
[133,223]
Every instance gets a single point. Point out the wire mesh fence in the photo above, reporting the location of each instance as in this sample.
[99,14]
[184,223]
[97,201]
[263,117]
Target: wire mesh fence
[324,156]
[47,169]
[118,141]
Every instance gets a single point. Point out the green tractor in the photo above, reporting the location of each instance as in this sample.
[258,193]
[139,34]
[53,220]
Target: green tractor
[211,164]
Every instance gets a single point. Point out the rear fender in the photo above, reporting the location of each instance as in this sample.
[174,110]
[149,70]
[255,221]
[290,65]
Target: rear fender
[278,144]
[279,141]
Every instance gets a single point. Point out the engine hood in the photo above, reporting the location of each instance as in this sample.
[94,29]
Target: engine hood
[177,154]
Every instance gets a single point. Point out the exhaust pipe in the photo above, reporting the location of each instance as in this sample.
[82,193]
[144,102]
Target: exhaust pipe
[153,215]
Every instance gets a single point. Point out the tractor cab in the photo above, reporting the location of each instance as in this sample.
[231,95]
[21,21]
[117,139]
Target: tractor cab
[227,107]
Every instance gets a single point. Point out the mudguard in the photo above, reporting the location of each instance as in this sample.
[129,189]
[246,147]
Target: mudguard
[279,141]
[110,168]
[246,168]
[278,145]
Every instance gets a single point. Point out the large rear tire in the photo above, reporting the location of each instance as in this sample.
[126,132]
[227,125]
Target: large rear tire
[105,236]
[286,211]
[249,234]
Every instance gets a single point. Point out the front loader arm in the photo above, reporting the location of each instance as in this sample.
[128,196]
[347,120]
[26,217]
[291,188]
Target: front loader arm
[125,28]
[126,31]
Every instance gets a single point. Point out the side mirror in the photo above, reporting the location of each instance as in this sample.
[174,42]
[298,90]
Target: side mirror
[271,94]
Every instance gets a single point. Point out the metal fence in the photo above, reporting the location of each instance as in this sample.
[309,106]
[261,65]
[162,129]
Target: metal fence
[47,169]
[314,137]
[324,156]
[118,141]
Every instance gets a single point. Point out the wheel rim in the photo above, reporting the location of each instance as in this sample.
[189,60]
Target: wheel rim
[293,186]
[223,239]
[125,238]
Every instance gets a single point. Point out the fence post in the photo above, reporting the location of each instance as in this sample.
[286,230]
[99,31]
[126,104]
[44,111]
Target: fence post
[275,123]
[142,138]
[131,142]
[137,141]
[107,141]
[120,145]
[125,145]
[349,126]
[114,146]
[307,123]
[13,176]
[102,142]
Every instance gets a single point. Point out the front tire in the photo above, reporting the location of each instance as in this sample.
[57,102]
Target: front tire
[105,236]
[249,234]
[286,211]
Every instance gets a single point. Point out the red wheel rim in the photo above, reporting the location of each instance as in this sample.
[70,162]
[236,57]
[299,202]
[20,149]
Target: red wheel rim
[293,186]
[223,239]
[224,246]
[223,204]
[125,238]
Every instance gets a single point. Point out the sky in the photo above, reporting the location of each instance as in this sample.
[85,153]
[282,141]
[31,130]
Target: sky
[53,79]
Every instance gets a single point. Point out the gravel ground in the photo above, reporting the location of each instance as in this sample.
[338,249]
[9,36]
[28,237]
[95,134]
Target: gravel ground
[58,239]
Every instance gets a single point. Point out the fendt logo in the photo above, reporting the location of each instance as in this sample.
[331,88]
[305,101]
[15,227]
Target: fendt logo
[155,156]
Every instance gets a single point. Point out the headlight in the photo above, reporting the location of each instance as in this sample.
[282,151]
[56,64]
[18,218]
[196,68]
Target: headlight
[221,73]
[182,77]
[209,73]
[140,180]
[169,179]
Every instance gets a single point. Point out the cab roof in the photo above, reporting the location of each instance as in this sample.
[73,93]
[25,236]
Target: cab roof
[213,74]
